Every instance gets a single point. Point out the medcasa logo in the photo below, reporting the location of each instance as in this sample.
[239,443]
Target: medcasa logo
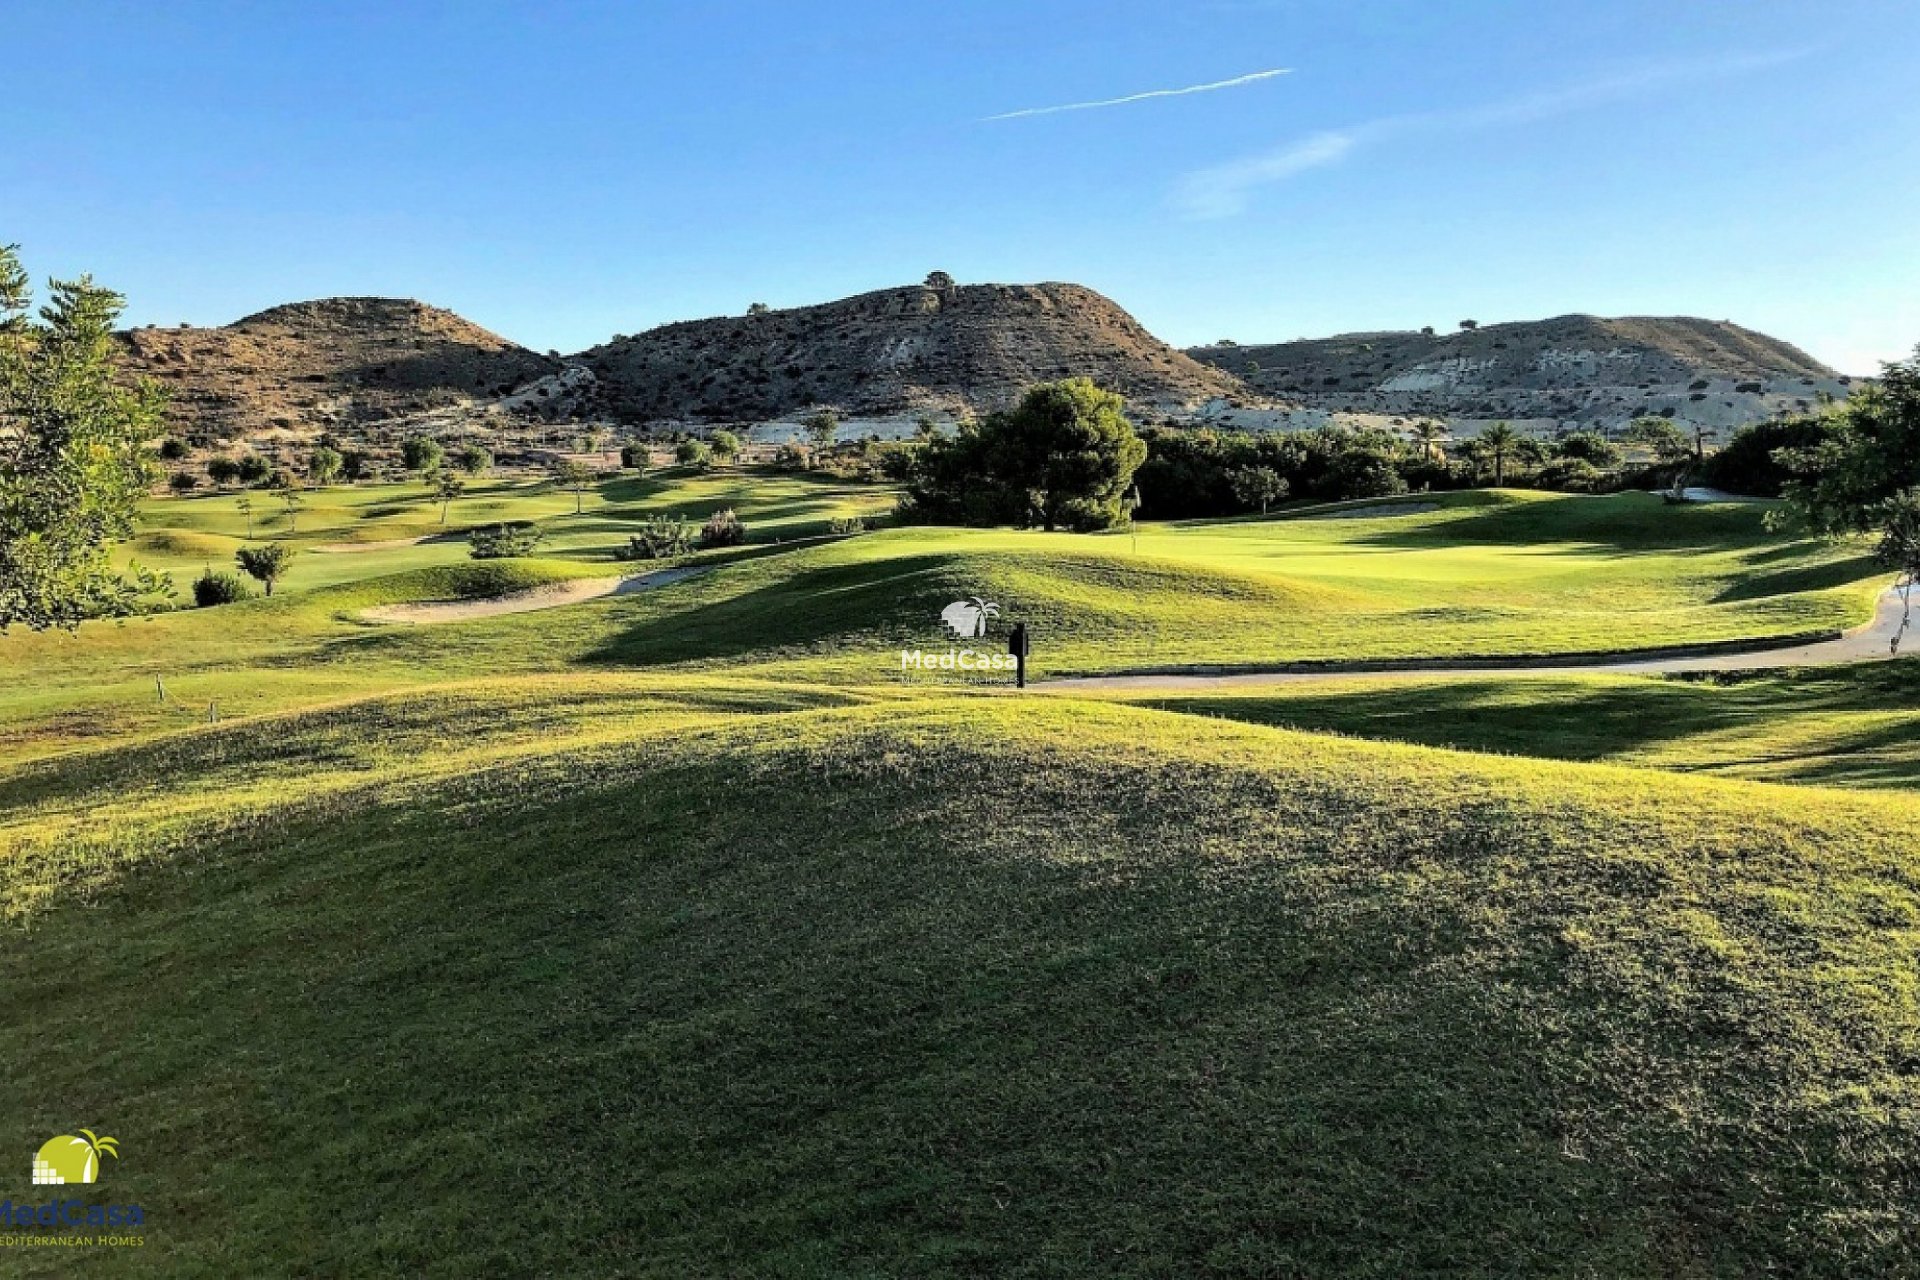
[972,619]
[69,1160]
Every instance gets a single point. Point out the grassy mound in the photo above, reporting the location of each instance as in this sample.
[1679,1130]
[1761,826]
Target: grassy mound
[609,976]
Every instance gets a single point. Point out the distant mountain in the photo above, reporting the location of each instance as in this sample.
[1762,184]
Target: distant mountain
[1569,371]
[330,364]
[895,351]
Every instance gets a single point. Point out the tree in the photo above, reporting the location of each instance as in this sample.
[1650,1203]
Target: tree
[1257,486]
[447,485]
[265,563]
[939,281]
[634,457]
[222,471]
[172,449]
[475,460]
[421,454]
[1469,325]
[691,453]
[758,309]
[822,426]
[1499,443]
[1431,436]
[725,446]
[254,469]
[1899,549]
[72,466]
[354,464]
[323,466]
[1589,447]
[1669,445]
[244,505]
[183,482]
[575,477]
[291,500]
[1868,454]
[1064,456]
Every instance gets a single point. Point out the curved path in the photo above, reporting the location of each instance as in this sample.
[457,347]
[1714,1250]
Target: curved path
[1871,642]
[551,596]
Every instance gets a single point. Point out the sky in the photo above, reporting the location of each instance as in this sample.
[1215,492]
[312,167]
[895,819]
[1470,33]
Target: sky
[1251,169]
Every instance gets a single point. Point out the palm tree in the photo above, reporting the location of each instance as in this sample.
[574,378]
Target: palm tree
[1431,437]
[982,610]
[1499,441]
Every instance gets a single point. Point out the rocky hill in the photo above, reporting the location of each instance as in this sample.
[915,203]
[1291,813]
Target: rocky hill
[934,346]
[331,364]
[1569,371]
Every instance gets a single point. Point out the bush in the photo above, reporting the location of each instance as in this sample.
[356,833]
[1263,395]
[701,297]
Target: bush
[1748,463]
[692,453]
[1571,475]
[183,482]
[791,457]
[849,524]
[634,457]
[660,538]
[253,469]
[723,529]
[212,588]
[222,471]
[173,449]
[503,541]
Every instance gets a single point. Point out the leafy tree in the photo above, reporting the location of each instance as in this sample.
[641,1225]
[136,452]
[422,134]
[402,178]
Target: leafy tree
[72,468]
[692,453]
[1064,456]
[725,446]
[1469,325]
[1754,461]
[575,477]
[289,494]
[421,453]
[254,469]
[925,428]
[1499,443]
[1869,454]
[939,281]
[212,588]
[822,426]
[222,471]
[723,529]
[183,482]
[1672,451]
[1257,486]
[1899,549]
[172,449]
[1590,447]
[323,466]
[635,457]
[266,563]
[475,460]
[758,309]
[355,464]
[447,485]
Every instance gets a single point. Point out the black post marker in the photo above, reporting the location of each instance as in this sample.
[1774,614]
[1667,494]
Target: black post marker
[1019,646]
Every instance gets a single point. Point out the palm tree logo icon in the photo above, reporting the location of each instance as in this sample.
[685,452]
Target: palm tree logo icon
[68,1159]
[968,618]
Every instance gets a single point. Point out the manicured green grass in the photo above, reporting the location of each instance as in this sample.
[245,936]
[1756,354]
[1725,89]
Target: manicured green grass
[615,975]
[1853,726]
[1487,574]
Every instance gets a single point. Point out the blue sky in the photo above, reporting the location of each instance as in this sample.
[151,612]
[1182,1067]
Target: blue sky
[562,172]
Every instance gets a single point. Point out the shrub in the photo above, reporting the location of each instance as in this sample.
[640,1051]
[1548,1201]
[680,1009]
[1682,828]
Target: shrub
[660,538]
[212,588]
[634,457]
[173,449]
[504,540]
[791,457]
[1571,475]
[183,482]
[692,453]
[849,524]
[222,471]
[723,529]
[254,469]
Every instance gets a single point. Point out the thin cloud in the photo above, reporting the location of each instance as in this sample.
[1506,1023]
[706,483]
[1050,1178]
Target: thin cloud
[1214,87]
[1223,190]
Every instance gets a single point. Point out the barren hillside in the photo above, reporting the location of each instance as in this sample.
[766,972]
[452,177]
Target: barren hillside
[328,364]
[1570,370]
[971,347]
